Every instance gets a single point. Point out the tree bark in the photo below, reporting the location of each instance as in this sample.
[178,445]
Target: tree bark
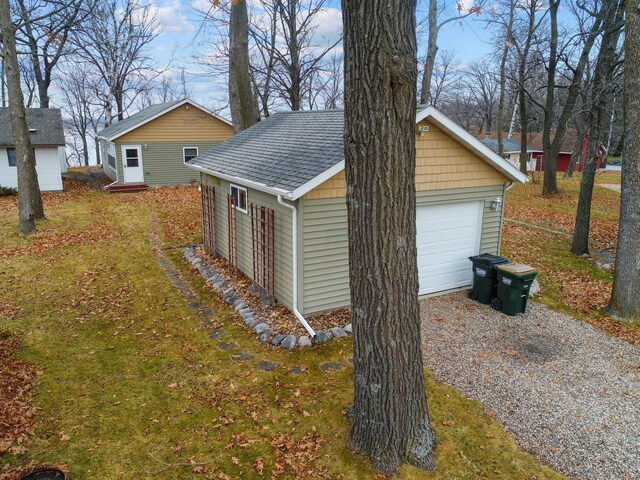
[625,301]
[29,198]
[602,89]
[244,108]
[432,52]
[390,419]
[576,154]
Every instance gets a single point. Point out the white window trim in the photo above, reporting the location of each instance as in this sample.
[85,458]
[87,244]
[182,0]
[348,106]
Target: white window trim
[184,153]
[246,196]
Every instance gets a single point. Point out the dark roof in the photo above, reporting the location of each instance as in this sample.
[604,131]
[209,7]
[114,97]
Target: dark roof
[122,126]
[284,152]
[47,123]
[510,145]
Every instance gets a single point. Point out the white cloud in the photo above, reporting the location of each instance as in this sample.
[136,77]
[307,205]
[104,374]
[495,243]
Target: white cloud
[172,18]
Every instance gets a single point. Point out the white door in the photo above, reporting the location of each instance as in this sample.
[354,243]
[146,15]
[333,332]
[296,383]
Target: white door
[132,164]
[447,235]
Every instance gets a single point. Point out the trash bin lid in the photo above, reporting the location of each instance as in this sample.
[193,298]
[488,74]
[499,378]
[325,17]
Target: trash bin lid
[488,259]
[516,268]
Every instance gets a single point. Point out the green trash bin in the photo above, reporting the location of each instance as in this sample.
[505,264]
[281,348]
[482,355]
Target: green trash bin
[485,280]
[514,281]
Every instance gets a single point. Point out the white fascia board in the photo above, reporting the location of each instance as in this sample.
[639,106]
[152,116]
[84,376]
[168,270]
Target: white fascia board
[167,110]
[314,182]
[242,181]
[472,143]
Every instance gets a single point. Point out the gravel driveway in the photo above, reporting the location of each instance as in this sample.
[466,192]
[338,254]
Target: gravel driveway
[568,393]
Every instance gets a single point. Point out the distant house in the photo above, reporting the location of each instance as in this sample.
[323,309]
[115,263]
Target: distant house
[274,205]
[47,138]
[150,148]
[535,151]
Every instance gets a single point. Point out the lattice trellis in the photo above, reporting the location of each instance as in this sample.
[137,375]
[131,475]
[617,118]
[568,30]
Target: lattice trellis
[231,213]
[209,218]
[263,241]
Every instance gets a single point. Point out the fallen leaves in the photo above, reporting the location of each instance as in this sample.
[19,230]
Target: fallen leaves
[16,409]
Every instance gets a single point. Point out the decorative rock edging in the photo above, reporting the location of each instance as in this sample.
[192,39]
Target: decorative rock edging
[258,324]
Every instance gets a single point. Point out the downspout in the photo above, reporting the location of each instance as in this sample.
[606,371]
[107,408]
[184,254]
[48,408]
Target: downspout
[296,312]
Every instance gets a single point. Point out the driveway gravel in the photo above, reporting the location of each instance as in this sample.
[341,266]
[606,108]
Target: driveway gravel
[567,392]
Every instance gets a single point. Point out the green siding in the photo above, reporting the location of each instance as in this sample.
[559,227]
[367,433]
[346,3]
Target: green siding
[163,162]
[283,236]
[324,260]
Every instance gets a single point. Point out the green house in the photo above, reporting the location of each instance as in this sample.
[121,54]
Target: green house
[274,205]
[150,148]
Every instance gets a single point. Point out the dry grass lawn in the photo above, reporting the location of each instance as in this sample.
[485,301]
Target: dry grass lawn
[131,386]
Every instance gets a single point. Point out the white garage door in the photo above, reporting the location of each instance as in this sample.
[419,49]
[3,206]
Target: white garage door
[447,235]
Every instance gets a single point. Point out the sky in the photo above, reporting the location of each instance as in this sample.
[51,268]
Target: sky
[183,40]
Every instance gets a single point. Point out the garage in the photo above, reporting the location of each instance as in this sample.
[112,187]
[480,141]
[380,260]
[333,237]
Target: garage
[446,236]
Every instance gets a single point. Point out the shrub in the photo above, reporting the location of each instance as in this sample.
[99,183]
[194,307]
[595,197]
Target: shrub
[6,191]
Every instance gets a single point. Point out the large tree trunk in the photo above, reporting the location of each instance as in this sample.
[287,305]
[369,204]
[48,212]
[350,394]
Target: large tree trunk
[550,161]
[390,420]
[602,90]
[432,52]
[29,198]
[625,301]
[244,109]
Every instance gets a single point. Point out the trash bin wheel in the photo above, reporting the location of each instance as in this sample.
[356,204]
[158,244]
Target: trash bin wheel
[496,304]
[473,294]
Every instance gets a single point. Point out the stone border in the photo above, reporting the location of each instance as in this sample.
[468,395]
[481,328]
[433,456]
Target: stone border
[259,324]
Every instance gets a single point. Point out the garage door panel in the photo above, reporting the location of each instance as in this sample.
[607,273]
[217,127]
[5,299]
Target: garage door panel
[446,236]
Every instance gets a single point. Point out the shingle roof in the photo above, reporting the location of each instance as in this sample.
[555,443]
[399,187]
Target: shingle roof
[510,145]
[283,152]
[140,117]
[47,123]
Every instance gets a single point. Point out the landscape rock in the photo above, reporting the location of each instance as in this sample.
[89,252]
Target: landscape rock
[534,289]
[606,266]
[277,339]
[264,337]
[260,328]
[322,337]
[289,342]
[338,332]
[239,304]
[230,299]
[304,341]
[348,328]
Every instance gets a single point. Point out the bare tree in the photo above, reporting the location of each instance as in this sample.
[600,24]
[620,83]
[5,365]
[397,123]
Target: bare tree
[484,88]
[445,74]
[506,21]
[390,419]
[30,206]
[589,34]
[523,47]
[602,91]
[625,301]
[115,40]
[244,108]
[299,58]
[83,112]
[45,31]
[437,9]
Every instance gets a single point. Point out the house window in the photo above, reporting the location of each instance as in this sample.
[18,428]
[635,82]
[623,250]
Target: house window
[111,156]
[189,153]
[11,153]
[239,195]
